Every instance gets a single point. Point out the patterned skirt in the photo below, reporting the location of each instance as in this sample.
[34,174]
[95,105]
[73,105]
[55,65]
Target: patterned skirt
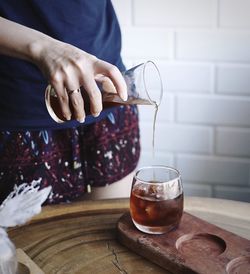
[71,159]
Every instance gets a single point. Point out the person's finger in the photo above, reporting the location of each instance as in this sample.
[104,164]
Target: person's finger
[114,74]
[107,84]
[94,94]
[77,104]
[72,83]
[62,96]
[70,74]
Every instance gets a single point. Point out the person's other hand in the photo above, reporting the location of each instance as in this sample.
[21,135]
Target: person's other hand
[67,68]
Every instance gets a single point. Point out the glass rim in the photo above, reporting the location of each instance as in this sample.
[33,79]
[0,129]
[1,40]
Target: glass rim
[178,175]
[49,89]
[144,81]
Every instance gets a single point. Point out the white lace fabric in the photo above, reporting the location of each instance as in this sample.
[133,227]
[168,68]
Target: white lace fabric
[21,205]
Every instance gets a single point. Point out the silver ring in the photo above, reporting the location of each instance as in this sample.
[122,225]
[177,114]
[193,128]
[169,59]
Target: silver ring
[70,92]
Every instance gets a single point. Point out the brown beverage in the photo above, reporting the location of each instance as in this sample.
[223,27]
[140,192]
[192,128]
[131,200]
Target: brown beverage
[109,100]
[153,211]
[154,124]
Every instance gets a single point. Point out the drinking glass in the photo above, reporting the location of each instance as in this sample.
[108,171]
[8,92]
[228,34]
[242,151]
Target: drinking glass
[144,87]
[156,200]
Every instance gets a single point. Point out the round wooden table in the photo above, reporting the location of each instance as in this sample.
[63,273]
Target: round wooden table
[80,237]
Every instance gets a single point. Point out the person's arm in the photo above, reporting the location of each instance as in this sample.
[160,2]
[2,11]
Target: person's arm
[65,66]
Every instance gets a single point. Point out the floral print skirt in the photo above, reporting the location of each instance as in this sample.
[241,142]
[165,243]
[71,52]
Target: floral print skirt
[71,160]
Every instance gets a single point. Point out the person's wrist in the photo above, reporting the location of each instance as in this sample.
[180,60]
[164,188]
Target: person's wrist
[35,48]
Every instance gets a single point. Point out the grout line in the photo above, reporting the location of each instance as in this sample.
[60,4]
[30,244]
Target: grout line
[174,46]
[175,106]
[213,87]
[132,13]
[214,146]
[218,13]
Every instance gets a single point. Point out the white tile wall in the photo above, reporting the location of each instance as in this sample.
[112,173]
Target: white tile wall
[175,138]
[178,13]
[233,193]
[214,170]
[161,158]
[216,45]
[200,190]
[186,77]
[147,43]
[214,110]
[234,13]
[233,79]
[123,11]
[202,48]
[165,112]
[237,142]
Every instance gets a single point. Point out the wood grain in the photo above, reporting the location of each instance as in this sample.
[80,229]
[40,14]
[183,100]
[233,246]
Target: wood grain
[26,265]
[195,247]
[81,240]
[81,237]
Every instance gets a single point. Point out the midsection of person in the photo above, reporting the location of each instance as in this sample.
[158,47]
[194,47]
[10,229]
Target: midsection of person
[89,25]
[71,155]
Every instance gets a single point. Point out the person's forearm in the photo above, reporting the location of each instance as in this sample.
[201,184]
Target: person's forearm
[19,41]
[65,66]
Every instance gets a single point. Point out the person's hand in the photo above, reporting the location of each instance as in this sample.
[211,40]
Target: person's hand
[67,68]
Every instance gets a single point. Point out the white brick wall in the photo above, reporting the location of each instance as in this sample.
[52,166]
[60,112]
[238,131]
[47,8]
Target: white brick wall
[234,13]
[213,45]
[233,79]
[232,193]
[214,110]
[214,170]
[177,138]
[186,77]
[202,48]
[175,13]
[197,189]
[147,43]
[237,142]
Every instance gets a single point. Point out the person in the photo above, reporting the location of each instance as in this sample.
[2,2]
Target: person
[68,44]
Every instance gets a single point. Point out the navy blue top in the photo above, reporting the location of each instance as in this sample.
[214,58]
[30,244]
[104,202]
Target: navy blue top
[90,25]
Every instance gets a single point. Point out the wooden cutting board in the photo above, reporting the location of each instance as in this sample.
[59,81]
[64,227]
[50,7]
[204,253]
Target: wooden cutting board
[26,265]
[81,238]
[195,247]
